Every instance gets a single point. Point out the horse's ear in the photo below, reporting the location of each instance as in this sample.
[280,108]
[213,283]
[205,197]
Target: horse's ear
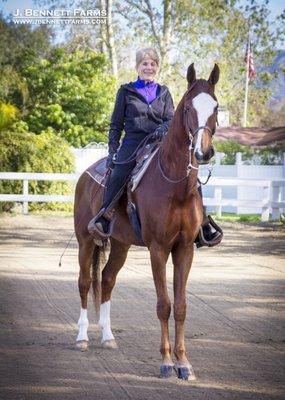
[191,75]
[214,75]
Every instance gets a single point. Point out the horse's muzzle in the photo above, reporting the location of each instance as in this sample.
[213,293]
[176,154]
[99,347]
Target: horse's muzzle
[204,158]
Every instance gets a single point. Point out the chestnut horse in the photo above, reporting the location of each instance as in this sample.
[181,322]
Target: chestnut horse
[171,182]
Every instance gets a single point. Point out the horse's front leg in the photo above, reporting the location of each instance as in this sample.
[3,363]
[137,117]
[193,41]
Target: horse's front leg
[182,261]
[158,262]
[86,249]
[116,260]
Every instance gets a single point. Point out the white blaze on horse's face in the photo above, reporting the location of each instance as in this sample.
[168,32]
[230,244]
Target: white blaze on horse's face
[204,105]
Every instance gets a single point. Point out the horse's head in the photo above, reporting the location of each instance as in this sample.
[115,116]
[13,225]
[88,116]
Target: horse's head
[200,113]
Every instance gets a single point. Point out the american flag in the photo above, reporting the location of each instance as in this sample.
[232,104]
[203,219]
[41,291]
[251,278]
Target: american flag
[249,61]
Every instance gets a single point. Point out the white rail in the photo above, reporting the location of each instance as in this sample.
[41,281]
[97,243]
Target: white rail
[269,203]
[27,198]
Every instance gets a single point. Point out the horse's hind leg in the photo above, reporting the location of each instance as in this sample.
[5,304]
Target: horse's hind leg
[117,258]
[182,260]
[158,263]
[86,247]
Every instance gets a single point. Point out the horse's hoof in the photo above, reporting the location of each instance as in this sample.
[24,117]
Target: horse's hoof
[109,344]
[82,345]
[166,371]
[185,373]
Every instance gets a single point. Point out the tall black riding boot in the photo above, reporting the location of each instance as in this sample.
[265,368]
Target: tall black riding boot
[210,233]
[101,225]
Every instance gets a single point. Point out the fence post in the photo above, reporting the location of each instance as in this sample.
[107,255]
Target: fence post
[25,193]
[218,198]
[276,197]
[218,158]
[239,189]
[265,208]
[283,188]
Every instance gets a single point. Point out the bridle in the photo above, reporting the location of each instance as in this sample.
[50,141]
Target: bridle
[191,135]
[187,109]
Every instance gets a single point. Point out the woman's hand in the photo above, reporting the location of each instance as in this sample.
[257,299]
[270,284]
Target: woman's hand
[159,132]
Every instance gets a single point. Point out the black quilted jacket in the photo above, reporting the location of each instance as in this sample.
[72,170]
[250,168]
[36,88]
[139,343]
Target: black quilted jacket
[136,117]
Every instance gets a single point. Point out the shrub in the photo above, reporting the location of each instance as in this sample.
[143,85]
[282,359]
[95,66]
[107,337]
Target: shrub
[7,114]
[268,155]
[71,93]
[27,152]
[230,148]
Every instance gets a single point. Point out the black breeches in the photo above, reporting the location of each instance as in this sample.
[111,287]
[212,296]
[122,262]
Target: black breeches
[119,176]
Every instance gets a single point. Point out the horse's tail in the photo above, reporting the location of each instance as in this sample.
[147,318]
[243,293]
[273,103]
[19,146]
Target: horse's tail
[98,262]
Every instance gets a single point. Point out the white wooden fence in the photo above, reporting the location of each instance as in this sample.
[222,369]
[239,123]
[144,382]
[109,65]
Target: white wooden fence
[269,203]
[27,198]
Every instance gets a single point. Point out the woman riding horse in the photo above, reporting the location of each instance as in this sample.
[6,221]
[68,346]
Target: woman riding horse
[142,108]
[170,211]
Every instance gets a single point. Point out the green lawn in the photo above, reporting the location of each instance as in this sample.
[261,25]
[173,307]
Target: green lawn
[229,217]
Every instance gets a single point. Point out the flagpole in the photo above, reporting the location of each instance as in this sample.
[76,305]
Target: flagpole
[246,85]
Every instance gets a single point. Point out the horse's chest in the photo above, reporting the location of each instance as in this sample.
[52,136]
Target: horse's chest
[179,225]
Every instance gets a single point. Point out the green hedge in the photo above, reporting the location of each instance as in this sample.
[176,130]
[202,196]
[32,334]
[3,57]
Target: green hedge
[27,152]
[269,155]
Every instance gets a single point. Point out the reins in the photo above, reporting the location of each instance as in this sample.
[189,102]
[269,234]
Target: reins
[163,174]
[133,156]
[188,168]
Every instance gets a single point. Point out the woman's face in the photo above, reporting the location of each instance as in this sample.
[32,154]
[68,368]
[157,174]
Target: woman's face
[147,69]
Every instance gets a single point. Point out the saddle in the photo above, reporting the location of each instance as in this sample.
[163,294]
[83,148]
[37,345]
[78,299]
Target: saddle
[143,159]
[98,170]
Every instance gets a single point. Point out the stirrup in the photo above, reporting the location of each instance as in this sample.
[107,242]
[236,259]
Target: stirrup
[202,241]
[96,229]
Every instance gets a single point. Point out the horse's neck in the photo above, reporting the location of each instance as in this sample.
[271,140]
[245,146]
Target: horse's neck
[175,145]
[175,150]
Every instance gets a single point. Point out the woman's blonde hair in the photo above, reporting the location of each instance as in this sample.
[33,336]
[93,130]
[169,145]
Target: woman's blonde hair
[148,51]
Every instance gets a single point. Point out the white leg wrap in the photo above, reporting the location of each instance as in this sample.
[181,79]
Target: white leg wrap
[83,325]
[105,321]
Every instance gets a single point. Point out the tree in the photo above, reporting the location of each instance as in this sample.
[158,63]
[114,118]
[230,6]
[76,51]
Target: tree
[207,31]
[7,115]
[20,46]
[99,38]
[70,93]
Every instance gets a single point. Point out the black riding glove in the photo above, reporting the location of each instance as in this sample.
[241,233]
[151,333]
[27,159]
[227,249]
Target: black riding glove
[110,160]
[159,132]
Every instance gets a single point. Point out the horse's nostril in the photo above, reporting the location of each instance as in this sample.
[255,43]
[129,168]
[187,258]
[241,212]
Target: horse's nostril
[199,155]
[204,158]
